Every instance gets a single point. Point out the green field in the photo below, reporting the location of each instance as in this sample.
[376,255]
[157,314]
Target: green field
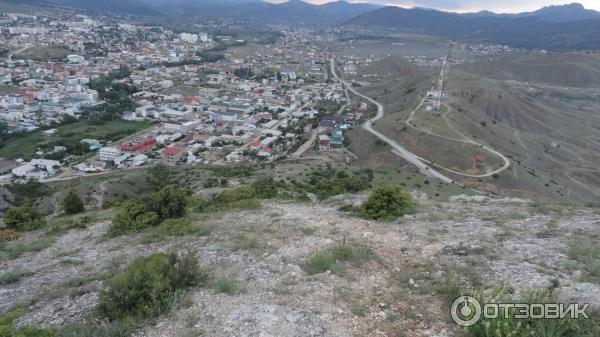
[9,89]
[25,146]
[43,54]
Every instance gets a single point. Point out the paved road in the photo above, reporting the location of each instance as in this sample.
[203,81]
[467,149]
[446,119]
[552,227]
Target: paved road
[399,150]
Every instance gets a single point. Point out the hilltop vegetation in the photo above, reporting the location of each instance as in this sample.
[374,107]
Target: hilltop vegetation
[564,69]
[288,264]
[393,67]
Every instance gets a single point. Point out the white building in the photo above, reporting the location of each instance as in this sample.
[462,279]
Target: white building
[139,160]
[189,38]
[37,169]
[75,59]
[109,153]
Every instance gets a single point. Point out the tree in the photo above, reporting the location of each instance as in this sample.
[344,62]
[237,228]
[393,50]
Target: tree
[388,202]
[72,204]
[243,73]
[168,203]
[23,218]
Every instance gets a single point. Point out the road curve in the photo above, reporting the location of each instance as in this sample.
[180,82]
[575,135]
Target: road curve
[466,140]
[399,150]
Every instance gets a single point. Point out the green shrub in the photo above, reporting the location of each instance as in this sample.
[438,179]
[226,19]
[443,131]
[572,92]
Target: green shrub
[13,276]
[168,203]
[226,285]
[243,197]
[24,218]
[586,252]
[133,217]
[387,202]
[72,204]
[510,326]
[28,191]
[176,227]
[8,320]
[240,193]
[328,183]
[101,329]
[333,259]
[265,188]
[198,204]
[8,328]
[21,248]
[149,287]
[450,287]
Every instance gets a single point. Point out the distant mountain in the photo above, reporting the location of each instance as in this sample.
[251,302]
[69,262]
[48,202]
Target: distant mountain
[521,30]
[292,12]
[564,13]
[136,7]
[561,13]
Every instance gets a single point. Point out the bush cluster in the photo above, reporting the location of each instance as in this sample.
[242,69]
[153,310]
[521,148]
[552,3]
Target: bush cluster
[387,202]
[327,183]
[150,286]
[168,203]
[243,197]
[24,218]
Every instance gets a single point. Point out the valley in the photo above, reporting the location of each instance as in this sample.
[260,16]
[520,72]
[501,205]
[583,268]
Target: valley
[243,168]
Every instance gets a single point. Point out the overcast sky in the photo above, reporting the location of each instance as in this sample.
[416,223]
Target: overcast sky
[504,6]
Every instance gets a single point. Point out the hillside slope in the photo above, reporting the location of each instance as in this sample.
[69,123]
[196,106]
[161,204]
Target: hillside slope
[565,69]
[422,262]
[524,32]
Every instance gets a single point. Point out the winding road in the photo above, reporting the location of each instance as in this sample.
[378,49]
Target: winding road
[399,150]
[413,158]
[465,140]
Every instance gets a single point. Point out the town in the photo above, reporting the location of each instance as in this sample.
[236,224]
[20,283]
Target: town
[175,98]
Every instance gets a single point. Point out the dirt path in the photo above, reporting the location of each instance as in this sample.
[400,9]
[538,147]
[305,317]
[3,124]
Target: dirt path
[463,140]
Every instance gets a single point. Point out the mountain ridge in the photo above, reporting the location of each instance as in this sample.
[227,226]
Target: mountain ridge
[524,31]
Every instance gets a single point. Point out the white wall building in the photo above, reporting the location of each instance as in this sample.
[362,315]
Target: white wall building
[109,153]
[38,169]
[189,38]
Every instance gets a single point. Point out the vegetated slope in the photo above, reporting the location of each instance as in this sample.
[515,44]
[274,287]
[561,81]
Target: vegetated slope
[524,32]
[565,69]
[297,12]
[294,12]
[547,141]
[135,7]
[261,276]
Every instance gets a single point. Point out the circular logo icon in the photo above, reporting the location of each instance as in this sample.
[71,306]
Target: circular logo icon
[465,311]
